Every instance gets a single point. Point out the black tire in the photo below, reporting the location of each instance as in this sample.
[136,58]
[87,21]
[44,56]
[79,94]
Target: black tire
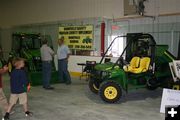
[94,86]
[168,83]
[110,92]
[152,84]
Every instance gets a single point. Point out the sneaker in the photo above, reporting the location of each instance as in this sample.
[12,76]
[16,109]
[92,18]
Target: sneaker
[68,83]
[48,88]
[6,117]
[28,114]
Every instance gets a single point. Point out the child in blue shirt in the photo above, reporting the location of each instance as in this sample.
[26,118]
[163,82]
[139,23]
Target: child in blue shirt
[18,84]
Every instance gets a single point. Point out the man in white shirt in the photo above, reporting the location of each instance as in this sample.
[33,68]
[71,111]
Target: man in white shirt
[46,57]
[63,53]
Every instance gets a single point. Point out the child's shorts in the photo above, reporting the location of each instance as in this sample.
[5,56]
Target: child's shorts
[21,97]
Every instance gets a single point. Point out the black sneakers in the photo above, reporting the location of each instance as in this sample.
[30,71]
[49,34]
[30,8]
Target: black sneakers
[68,83]
[28,114]
[48,88]
[6,117]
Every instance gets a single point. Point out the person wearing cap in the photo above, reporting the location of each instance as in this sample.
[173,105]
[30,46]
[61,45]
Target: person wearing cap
[46,56]
[63,53]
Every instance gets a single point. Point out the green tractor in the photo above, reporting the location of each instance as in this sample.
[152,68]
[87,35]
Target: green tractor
[145,65]
[27,45]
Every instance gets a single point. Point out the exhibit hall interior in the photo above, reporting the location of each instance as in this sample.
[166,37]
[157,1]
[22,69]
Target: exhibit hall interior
[89,59]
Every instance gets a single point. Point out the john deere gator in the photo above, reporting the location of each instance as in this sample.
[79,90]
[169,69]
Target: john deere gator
[142,64]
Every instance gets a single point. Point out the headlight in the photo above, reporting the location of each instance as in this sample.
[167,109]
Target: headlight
[105,74]
[37,58]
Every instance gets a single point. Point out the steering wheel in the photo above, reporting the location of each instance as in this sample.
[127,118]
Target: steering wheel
[122,62]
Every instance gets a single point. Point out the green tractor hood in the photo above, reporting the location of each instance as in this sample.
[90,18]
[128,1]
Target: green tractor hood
[35,53]
[30,54]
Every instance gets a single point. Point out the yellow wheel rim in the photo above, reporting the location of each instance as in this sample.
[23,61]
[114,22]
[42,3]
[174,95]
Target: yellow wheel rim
[176,87]
[94,86]
[110,92]
[10,67]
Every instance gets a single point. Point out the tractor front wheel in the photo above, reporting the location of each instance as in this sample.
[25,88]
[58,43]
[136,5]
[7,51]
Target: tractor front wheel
[110,91]
[94,86]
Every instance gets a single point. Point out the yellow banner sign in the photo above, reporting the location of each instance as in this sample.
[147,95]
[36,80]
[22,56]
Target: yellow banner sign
[77,37]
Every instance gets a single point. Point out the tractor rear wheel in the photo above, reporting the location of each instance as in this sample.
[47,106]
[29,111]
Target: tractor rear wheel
[110,91]
[94,86]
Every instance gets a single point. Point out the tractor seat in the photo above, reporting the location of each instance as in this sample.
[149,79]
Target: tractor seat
[134,63]
[143,67]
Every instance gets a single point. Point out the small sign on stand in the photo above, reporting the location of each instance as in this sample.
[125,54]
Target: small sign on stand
[169,98]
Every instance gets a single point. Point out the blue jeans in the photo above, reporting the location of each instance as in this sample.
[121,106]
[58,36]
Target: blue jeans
[46,72]
[63,72]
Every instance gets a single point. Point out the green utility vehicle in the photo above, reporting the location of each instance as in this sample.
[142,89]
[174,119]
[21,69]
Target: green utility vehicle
[27,45]
[144,65]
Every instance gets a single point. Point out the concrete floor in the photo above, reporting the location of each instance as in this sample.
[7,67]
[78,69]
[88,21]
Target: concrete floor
[76,102]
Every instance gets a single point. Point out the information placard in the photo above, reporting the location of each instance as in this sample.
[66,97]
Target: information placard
[169,98]
[77,37]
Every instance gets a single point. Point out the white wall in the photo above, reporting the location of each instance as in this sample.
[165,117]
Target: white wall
[156,7]
[17,12]
[73,60]
[165,30]
[6,41]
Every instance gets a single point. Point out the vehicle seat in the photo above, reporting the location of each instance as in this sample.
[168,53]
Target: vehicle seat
[134,63]
[144,66]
